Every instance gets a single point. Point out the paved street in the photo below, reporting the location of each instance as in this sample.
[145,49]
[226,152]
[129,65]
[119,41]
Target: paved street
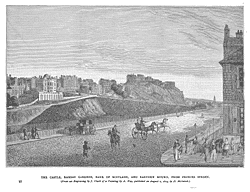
[67,150]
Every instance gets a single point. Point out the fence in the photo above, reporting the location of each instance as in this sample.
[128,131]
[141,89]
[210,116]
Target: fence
[48,129]
[213,131]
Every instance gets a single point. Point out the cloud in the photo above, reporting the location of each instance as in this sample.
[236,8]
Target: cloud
[176,40]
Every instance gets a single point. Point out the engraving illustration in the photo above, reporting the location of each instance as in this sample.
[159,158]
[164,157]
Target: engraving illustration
[124,86]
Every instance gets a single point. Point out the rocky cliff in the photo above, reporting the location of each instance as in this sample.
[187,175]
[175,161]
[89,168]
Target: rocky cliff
[151,92]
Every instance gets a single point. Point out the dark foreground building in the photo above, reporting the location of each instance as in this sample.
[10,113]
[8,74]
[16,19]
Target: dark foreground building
[233,84]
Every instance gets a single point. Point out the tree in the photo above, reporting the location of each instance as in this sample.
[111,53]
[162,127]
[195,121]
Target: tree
[14,101]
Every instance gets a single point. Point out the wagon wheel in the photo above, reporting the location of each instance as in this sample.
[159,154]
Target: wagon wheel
[144,135]
[134,133]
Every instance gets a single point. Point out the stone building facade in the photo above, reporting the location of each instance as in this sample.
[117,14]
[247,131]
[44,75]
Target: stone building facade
[49,89]
[233,84]
[106,85]
[49,84]
[69,83]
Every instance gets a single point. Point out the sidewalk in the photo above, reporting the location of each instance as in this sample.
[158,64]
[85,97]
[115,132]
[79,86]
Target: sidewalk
[46,137]
[197,160]
[32,140]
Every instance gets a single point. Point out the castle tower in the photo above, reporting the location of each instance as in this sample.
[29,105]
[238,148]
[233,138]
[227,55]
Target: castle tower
[233,84]
[226,32]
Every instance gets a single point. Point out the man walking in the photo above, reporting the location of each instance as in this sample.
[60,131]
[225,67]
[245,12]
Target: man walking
[36,133]
[25,134]
[213,152]
[205,149]
[85,148]
[32,133]
[176,149]
[186,143]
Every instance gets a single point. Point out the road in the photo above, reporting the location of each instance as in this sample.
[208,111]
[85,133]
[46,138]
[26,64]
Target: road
[67,151]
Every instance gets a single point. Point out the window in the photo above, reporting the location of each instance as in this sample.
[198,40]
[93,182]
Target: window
[241,78]
[241,119]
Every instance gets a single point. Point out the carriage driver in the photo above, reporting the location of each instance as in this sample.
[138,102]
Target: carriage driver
[142,122]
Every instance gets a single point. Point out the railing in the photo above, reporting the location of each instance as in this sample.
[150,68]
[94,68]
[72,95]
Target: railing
[48,129]
[214,130]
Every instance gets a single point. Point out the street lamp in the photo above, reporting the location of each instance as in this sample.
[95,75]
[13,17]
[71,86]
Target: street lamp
[195,128]
[213,128]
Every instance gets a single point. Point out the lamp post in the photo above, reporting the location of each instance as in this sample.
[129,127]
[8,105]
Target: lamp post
[213,128]
[195,128]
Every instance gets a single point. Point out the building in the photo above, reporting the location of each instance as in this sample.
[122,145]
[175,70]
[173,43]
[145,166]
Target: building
[49,91]
[96,89]
[49,84]
[39,83]
[169,85]
[33,83]
[69,83]
[13,87]
[106,85]
[233,84]
[50,96]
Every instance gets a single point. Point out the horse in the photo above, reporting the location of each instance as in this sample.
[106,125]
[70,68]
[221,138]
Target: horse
[114,139]
[153,127]
[163,125]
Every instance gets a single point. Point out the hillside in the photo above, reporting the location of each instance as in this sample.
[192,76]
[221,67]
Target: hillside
[98,109]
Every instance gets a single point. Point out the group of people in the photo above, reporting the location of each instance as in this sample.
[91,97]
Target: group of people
[232,147]
[208,148]
[34,134]
[83,126]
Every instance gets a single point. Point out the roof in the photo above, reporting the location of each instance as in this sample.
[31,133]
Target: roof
[234,57]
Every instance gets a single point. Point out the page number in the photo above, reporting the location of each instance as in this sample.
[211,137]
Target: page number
[20,181]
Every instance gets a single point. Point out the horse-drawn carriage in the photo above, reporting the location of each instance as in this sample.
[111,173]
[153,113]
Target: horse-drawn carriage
[141,129]
[82,127]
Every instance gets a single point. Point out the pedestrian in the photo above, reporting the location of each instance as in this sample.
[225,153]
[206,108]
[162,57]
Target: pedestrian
[205,149]
[36,133]
[32,133]
[226,147]
[186,143]
[240,148]
[91,127]
[176,150]
[213,151]
[194,145]
[85,148]
[232,146]
[25,134]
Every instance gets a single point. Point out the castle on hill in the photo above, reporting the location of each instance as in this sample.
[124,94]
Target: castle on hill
[139,78]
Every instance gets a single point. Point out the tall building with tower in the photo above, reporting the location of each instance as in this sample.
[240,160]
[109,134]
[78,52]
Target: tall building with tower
[233,83]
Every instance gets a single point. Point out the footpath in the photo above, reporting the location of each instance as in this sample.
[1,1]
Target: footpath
[198,160]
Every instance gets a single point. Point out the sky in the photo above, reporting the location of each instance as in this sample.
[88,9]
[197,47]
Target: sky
[181,44]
